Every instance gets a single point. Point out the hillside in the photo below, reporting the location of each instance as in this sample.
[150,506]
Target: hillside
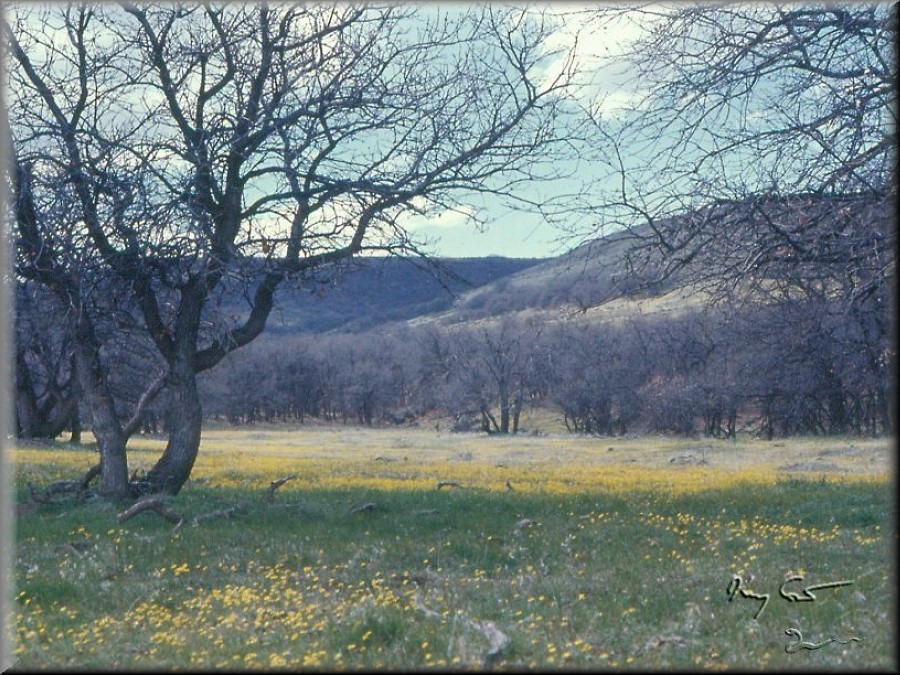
[587,276]
[793,241]
[374,291]
[593,278]
[377,291]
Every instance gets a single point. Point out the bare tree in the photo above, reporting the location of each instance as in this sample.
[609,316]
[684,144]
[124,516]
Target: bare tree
[51,256]
[46,393]
[193,146]
[488,370]
[597,374]
[759,165]
[762,151]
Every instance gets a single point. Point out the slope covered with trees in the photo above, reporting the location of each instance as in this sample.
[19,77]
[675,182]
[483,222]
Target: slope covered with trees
[788,354]
[629,354]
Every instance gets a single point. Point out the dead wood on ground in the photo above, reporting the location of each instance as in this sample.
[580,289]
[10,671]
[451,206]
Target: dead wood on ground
[369,506]
[448,483]
[274,485]
[151,504]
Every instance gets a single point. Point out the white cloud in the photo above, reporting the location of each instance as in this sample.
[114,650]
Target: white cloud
[461,216]
[600,35]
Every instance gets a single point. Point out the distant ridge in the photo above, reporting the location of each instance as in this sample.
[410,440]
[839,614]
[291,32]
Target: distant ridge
[379,290]
[593,278]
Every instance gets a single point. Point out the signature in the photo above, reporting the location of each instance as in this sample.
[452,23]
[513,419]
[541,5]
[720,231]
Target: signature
[808,595]
[736,585]
[795,647]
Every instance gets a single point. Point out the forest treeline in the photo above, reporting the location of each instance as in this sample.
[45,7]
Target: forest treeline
[805,352]
[805,367]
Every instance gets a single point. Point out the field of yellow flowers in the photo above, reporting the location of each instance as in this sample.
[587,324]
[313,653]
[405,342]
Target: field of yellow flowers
[409,548]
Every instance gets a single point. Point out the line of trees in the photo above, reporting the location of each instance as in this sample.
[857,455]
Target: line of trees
[795,354]
[801,367]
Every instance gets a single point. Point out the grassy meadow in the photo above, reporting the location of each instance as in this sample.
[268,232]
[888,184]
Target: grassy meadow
[535,552]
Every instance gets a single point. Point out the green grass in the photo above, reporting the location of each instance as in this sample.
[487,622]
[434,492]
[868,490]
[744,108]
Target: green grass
[599,579]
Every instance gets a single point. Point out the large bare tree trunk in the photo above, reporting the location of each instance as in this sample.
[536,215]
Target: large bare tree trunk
[183,424]
[105,424]
[184,415]
[241,125]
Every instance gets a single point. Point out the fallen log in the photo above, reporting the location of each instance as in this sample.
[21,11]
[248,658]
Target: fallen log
[216,515]
[151,504]
[363,507]
[274,485]
[448,483]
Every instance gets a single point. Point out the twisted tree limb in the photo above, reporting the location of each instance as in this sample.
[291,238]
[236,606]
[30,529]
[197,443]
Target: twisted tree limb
[274,485]
[91,474]
[141,408]
[151,504]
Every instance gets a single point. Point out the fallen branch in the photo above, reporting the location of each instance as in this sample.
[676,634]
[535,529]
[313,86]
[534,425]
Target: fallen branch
[448,483]
[216,515]
[62,487]
[275,484]
[155,505]
[369,506]
[78,547]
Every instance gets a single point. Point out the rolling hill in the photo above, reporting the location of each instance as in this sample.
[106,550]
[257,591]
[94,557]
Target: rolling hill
[592,279]
[374,291]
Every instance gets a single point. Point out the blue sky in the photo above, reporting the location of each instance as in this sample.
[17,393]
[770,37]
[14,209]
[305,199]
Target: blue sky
[521,234]
[606,85]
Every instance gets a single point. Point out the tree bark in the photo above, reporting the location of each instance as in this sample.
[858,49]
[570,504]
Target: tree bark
[105,423]
[184,414]
[183,423]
